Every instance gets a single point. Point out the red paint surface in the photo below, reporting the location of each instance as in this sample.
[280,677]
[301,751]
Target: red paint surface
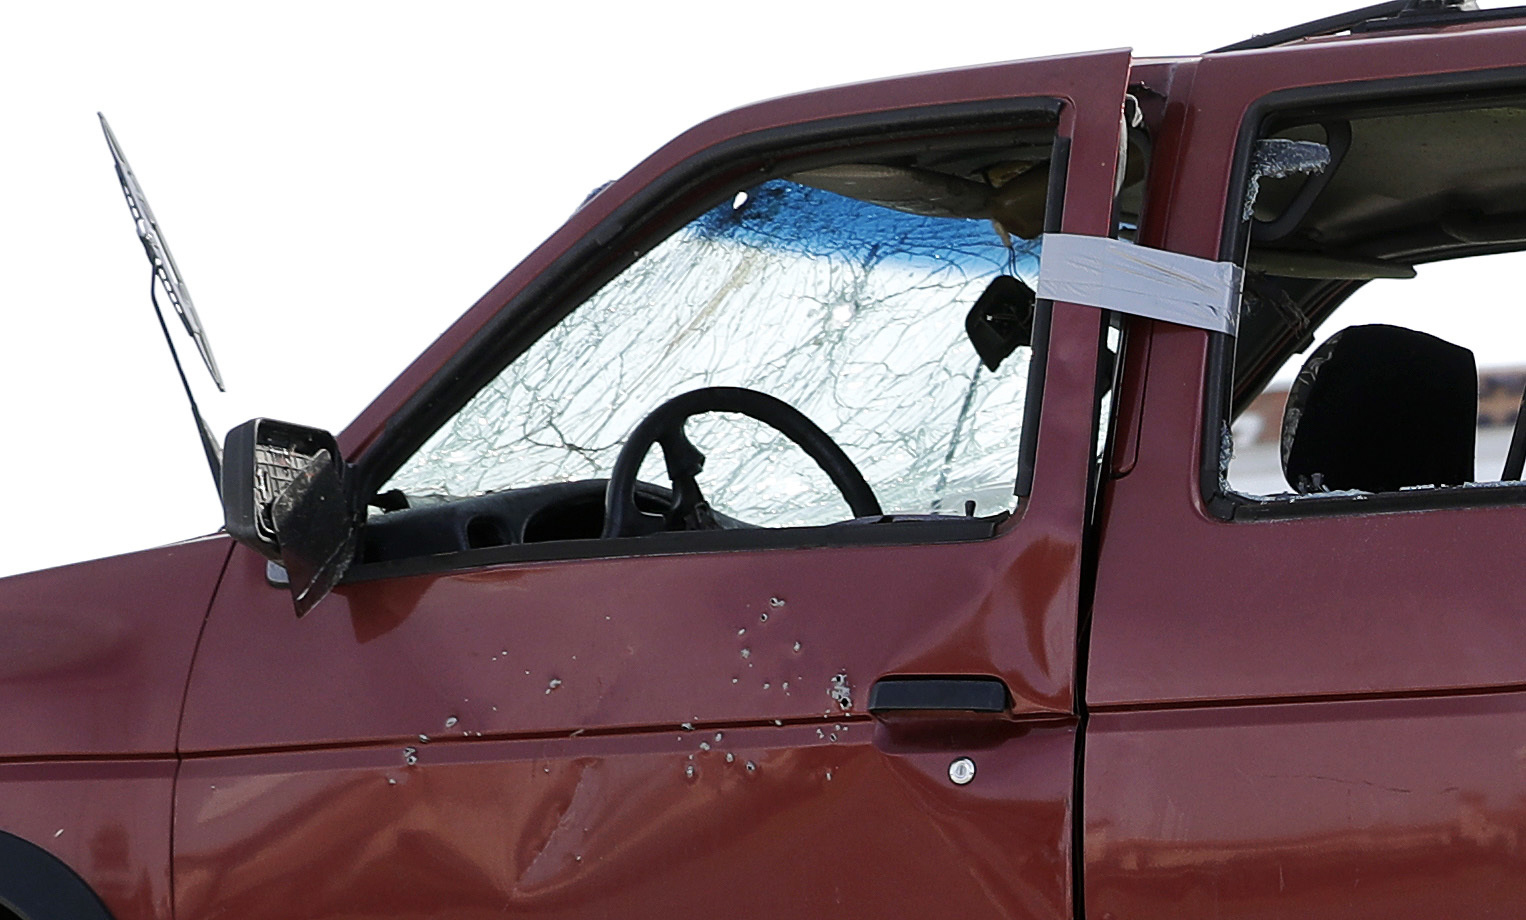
[109,821]
[1274,609]
[615,826]
[1269,803]
[93,669]
[553,695]
[1384,808]
[95,656]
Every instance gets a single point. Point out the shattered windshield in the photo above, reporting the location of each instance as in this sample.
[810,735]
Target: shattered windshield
[851,312]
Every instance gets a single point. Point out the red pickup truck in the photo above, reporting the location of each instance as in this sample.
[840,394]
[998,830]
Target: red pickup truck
[845,515]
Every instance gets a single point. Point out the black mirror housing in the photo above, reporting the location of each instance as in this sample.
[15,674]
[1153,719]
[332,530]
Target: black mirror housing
[284,494]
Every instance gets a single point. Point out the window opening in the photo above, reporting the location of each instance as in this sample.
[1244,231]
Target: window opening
[1415,226]
[892,303]
[849,311]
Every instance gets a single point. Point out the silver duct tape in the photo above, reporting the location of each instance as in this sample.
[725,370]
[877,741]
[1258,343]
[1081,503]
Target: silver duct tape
[1115,275]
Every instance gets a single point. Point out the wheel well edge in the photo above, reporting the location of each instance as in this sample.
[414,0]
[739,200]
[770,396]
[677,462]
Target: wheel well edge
[36,885]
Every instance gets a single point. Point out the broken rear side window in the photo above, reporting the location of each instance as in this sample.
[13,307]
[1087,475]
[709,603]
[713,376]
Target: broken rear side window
[1379,350]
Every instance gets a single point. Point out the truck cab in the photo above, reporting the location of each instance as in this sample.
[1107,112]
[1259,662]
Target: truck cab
[861,508]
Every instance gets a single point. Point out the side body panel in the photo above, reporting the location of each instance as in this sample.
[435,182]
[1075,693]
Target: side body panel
[1313,716]
[93,669]
[667,735]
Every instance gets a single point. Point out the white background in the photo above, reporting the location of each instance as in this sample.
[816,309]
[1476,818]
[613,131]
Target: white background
[338,182]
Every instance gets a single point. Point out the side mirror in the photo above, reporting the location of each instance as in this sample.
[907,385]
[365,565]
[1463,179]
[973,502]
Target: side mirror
[285,496]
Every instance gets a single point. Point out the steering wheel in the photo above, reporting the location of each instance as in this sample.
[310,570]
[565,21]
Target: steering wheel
[690,511]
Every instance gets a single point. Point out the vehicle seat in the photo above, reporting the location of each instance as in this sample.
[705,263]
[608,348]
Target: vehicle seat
[1378,408]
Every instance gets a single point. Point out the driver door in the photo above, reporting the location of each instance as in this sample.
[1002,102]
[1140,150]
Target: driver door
[502,709]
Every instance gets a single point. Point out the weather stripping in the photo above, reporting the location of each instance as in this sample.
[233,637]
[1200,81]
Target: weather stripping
[1115,275]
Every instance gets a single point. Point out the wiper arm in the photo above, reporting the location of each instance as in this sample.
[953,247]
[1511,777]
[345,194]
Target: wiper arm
[159,255]
[167,275]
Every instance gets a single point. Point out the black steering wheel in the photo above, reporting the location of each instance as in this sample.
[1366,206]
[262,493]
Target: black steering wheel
[689,510]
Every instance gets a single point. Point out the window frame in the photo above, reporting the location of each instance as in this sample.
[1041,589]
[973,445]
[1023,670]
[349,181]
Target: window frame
[652,214]
[1224,504]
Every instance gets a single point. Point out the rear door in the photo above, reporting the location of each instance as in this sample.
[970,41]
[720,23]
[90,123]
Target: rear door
[502,711]
[1311,705]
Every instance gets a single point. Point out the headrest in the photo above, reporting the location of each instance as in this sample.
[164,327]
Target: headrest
[1378,408]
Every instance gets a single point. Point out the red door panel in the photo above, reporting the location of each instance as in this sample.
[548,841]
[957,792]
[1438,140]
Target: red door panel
[1371,809]
[705,639]
[676,735]
[767,822]
[1308,717]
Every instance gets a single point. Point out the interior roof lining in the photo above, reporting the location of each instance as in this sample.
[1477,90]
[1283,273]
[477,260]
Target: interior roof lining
[1406,171]
[1395,179]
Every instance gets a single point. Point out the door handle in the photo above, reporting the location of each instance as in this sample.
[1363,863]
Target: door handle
[928,693]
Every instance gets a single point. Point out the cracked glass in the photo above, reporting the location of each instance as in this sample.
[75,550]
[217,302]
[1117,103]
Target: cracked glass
[852,312]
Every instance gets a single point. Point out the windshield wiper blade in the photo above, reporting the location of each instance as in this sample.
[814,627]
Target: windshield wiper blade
[159,256]
[166,275]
